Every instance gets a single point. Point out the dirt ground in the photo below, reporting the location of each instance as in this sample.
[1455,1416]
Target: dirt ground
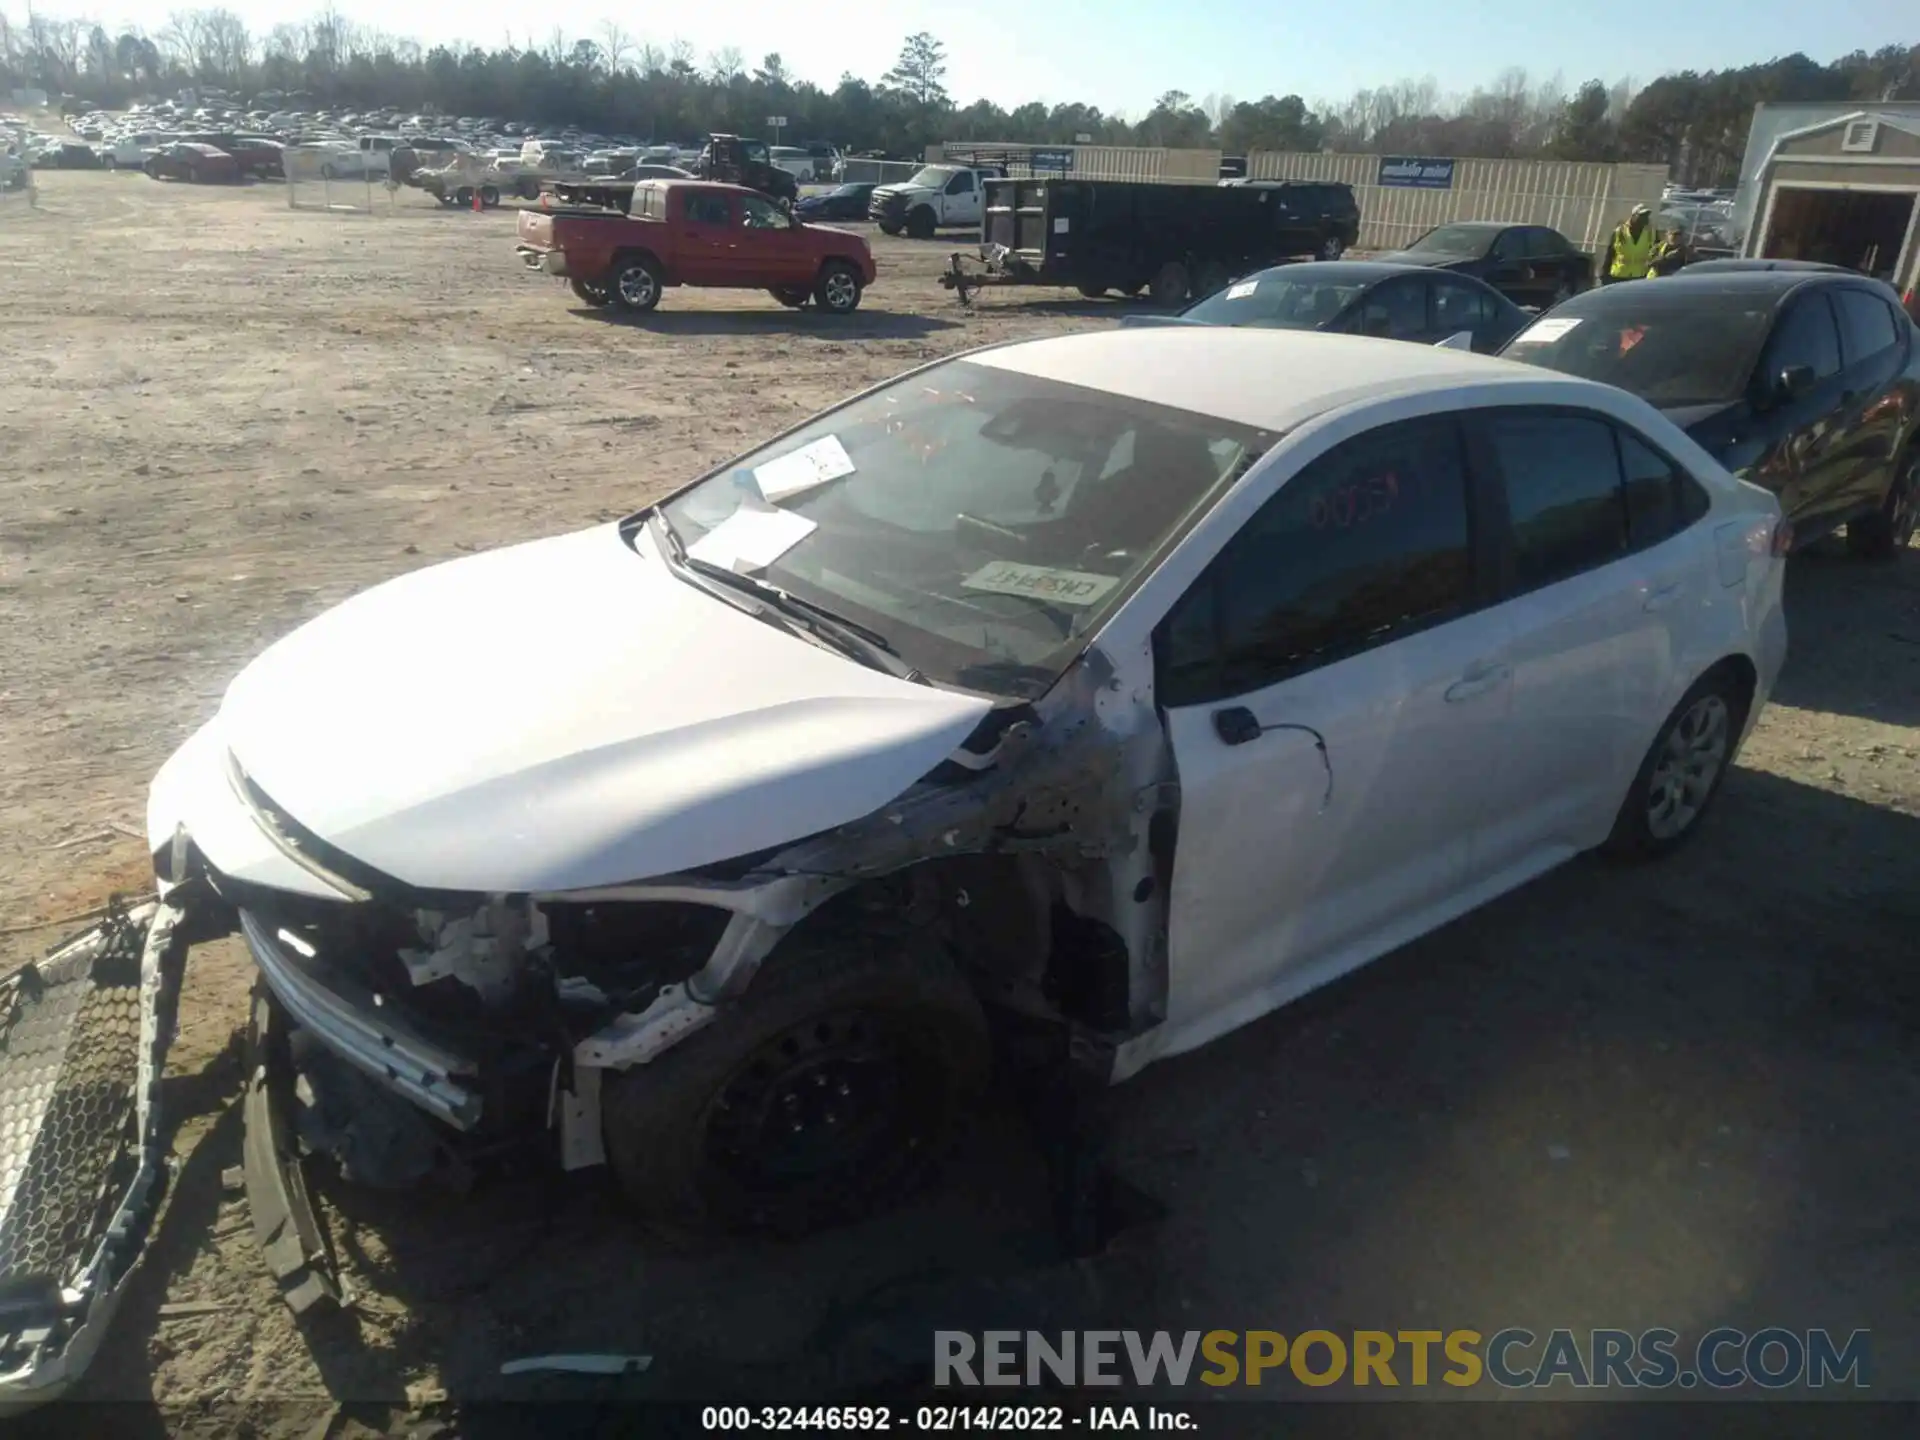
[1681,1096]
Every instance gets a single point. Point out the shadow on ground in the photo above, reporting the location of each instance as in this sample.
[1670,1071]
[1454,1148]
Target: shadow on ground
[861,325]
[1853,630]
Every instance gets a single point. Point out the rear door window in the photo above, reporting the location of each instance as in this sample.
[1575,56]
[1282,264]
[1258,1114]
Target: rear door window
[1458,307]
[1561,474]
[1396,310]
[1866,325]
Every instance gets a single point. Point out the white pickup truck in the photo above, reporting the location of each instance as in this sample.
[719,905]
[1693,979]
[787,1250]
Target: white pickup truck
[936,197]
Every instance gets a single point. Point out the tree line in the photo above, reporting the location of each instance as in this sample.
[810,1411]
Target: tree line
[1694,122]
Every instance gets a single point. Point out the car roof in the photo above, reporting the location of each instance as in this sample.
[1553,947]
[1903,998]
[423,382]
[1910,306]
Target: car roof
[1770,285]
[1270,379]
[1347,270]
[1740,266]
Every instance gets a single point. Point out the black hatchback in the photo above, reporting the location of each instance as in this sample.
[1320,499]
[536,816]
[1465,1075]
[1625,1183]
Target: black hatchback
[1804,382]
[1362,297]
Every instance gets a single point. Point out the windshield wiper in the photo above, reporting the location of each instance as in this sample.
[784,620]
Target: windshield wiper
[850,637]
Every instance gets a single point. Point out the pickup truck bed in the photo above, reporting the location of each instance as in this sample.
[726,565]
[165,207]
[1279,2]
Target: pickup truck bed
[683,232]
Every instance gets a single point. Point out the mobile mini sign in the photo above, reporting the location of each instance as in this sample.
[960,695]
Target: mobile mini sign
[1415,172]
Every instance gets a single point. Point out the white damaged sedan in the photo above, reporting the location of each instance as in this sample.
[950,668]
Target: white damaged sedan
[1130,683]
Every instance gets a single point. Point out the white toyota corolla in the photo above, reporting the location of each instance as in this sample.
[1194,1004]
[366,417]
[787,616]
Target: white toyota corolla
[1132,683]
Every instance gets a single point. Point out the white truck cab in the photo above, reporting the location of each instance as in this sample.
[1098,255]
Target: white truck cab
[937,197]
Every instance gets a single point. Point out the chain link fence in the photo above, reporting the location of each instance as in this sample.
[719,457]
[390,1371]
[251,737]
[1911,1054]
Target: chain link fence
[337,179]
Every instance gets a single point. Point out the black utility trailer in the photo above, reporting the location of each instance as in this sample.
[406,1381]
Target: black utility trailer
[1172,240]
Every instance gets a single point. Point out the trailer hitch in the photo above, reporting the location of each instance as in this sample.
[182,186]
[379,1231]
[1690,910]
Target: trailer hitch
[956,279]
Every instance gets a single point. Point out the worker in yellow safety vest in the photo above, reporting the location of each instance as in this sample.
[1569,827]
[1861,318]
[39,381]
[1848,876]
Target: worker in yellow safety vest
[1630,251]
[1671,255]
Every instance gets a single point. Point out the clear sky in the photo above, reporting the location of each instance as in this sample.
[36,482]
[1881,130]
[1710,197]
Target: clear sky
[1121,54]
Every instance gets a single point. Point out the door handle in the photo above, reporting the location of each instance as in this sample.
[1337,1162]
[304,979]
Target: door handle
[1662,597]
[1477,681]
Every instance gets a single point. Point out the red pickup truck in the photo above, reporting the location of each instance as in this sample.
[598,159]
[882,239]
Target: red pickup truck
[689,232]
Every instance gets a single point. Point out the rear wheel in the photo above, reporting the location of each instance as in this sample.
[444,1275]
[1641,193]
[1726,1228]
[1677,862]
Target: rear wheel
[829,1090]
[1883,536]
[1681,774]
[1170,284]
[635,285]
[792,296]
[1331,248]
[838,289]
[489,196]
[463,197]
[590,292]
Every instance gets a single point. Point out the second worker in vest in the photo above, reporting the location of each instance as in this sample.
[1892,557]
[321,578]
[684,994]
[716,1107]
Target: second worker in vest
[1630,251]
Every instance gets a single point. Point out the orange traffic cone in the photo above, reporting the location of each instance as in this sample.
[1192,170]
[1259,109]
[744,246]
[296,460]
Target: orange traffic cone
[477,206]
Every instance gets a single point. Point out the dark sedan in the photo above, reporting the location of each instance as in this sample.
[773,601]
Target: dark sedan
[1362,297]
[1804,382]
[201,164]
[843,202]
[1529,264]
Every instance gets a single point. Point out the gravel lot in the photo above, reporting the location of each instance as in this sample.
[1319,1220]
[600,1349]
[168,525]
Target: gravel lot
[1680,1096]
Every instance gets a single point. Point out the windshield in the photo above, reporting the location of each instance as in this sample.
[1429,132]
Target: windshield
[932,177]
[982,521]
[1669,350]
[1277,301]
[1455,240]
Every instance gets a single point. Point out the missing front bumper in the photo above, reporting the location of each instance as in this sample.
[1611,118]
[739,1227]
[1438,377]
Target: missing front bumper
[83,1037]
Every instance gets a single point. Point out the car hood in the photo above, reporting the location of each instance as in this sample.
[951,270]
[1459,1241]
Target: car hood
[570,713]
[1431,259]
[903,190]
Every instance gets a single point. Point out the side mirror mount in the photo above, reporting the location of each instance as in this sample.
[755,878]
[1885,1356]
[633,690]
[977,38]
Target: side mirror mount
[1791,382]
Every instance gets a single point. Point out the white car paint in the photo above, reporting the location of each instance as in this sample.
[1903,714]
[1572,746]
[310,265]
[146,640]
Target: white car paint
[584,718]
[569,714]
[954,193]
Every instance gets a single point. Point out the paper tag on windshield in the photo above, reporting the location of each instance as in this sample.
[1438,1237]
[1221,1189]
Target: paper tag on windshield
[1062,587]
[1545,332]
[751,538]
[825,459]
[1242,290]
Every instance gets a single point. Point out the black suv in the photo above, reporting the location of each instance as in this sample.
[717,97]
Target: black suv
[1314,217]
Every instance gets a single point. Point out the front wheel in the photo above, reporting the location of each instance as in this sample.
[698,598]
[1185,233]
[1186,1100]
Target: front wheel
[635,285]
[489,196]
[920,224]
[1681,774]
[829,1090]
[1889,531]
[838,290]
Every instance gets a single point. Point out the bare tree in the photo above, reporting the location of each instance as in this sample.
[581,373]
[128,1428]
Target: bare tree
[615,46]
[650,59]
[726,65]
[680,57]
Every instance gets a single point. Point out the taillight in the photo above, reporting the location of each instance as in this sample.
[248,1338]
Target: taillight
[1782,538]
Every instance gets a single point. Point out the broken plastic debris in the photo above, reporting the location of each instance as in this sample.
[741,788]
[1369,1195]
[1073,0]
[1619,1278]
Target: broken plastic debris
[580,1364]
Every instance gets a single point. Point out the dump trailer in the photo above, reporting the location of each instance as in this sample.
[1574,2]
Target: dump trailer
[1176,241]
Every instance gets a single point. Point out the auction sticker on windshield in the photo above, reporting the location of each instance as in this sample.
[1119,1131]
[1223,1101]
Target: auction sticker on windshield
[751,538]
[825,459]
[1545,332]
[1066,587]
[1242,290]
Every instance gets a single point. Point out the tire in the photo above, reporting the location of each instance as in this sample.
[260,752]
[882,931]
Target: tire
[791,296]
[527,189]
[1332,247]
[1092,292]
[1884,535]
[837,291]
[1170,284]
[875,1025]
[886,229]
[1683,770]
[635,284]
[920,224]
[463,198]
[590,294]
[489,196]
